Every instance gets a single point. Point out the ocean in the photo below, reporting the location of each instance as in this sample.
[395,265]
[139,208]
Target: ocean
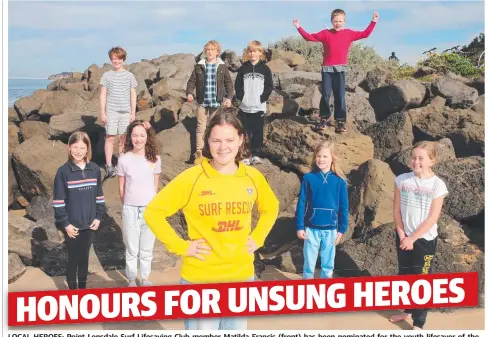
[18,88]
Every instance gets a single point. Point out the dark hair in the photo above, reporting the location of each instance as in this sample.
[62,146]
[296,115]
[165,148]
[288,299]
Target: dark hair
[336,12]
[227,117]
[151,143]
[80,136]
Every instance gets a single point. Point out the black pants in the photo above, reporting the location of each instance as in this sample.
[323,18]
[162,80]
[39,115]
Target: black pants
[333,83]
[416,261]
[254,126]
[78,253]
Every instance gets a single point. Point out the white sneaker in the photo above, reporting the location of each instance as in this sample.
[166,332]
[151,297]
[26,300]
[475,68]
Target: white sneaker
[256,160]
[132,283]
[146,283]
[246,161]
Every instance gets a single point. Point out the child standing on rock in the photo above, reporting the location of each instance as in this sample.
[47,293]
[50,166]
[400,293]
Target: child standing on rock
[322,211]
[417,204]
[79,206]
[336,42]
[254,84]
[211,81]
[117,104]
[139,169]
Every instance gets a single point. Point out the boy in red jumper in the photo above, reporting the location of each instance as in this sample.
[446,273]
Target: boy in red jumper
[336,42]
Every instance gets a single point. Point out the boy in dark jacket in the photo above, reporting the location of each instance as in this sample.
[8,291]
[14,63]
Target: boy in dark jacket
[254,84]
[209,78]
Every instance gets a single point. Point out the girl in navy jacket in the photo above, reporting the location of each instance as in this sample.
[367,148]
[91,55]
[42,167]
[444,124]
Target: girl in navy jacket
[79,206]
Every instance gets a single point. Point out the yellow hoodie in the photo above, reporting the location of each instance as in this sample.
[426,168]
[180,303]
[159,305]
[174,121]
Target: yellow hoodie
[217,208]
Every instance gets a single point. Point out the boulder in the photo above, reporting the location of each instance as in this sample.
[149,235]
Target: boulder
[290,58]
[391,135]
[456,93]
[231,60]
[371,195]
[438,102]
[13,137]
[29,129]
[15,268]
[376,78]
[13,116]
[353,78]
[291,143]
[36,169]
[145,71]
[40,208]
[464,178]
[298,77]
[311,68]
[396,97]
[479,107]
[188,110]
[400,162]
[359,111]
[12,183]
[278,66]
[166,114]
[30,105]
[465,128]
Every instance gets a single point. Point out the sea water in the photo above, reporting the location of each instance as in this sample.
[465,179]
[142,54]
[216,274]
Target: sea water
[18,88]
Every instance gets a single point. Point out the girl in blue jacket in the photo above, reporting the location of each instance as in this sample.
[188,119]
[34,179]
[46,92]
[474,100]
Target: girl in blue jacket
[322,211]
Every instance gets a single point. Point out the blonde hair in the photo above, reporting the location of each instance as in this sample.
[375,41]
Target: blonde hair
[215,44]
[329,145]
[253,45]
[83,137]
[337,12]
[119,52]
[429,147]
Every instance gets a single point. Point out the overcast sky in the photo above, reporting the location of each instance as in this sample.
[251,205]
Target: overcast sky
[51,37]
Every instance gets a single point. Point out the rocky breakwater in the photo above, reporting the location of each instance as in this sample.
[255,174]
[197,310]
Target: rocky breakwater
[386,117]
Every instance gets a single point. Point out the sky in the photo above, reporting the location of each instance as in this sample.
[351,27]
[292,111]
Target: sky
[49,37]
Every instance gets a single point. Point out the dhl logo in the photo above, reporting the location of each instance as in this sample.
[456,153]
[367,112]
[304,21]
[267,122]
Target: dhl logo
[227,226]
[204,193]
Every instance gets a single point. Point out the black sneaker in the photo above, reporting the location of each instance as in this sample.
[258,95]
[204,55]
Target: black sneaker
[110,171]
[324,123]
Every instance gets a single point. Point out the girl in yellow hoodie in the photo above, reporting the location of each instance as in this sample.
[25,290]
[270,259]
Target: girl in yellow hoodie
[217,198]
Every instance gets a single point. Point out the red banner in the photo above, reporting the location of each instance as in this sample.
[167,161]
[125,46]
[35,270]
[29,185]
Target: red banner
[242,299]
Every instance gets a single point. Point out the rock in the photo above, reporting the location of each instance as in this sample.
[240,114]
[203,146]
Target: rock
[479,107]
[371,195]
[30,105]
[13,137]
[166,114]
[176,142]
[95,75]
[13,116]
[391,135]
[298,77]
[61,101]
[464,178]
[288,57]
[162,91]
[278,66]
[399,96]
[283,234]
[308,98]
[291,143]
[40,208]
[359,111]
[400,162]
[438,102]
[83,112]
[308,68]
[465,128]
[12,183]
[144,99]
[423,71]
[353,78]
[456,93]
[184,64]
[275,102]
[29,129]
[231,60]
[144,71]
[375,78]
[36,169]
[291,261]
[145,115]
[15,268]
[78,86]
[188,110]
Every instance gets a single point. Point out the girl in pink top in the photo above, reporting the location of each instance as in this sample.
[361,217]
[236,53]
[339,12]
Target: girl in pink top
[336,42]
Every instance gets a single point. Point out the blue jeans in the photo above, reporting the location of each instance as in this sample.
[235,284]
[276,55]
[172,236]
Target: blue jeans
[220,323]
[336,83]
[316,239]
